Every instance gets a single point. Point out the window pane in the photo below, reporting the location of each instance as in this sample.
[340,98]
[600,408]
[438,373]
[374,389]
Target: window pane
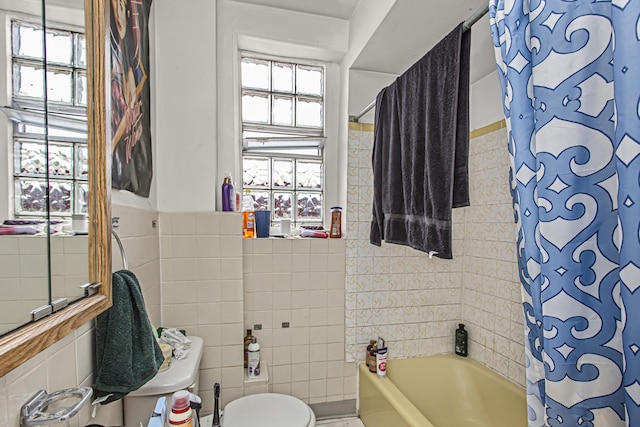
[282,77]
[255,108]
[282,173]
[81,89]
[81,51]
[60,160]
[82,162]
[309,206]
[282,203]
[308,174]
[59,47]
[59,85]
[308,113]
[282,110]
[30,196]
[309,80]
[255,74]
[32,158]
[255,172]
[27,41]
[60,196]
[82,197]
[28,80]
[260,200]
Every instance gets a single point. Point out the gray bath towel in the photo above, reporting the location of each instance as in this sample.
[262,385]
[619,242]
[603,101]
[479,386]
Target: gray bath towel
[421,149]
[127,353]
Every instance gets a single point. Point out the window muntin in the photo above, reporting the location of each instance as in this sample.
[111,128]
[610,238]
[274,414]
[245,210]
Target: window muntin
[292,188]
[66,133]
[283,137]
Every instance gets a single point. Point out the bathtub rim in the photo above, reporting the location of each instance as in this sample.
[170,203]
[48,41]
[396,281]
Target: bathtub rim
[403,406]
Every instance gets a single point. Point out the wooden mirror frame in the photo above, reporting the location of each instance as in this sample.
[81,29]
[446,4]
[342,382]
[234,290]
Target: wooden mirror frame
[19,346]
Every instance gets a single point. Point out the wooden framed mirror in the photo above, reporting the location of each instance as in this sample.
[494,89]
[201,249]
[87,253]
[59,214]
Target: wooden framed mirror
[19,346]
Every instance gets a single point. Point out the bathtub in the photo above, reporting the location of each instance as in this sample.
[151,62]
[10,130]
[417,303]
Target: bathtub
[440,391]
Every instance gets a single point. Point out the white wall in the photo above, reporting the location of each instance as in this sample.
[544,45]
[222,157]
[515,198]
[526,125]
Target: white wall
[485,103]
[183,75]
[282,33]
[363,22]
[363,88]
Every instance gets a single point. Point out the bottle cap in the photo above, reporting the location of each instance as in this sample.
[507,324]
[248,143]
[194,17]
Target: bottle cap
[336,207]
[248,331]
[180,400]
[461,325]
[254,340]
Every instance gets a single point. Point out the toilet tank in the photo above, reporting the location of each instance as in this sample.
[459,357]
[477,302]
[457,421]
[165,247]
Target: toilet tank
[181,375]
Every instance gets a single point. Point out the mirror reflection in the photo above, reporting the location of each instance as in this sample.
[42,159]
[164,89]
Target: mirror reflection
[43,246]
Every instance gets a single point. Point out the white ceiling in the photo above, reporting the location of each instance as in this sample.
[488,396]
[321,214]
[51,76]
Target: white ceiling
[334,8]
[409,30]
[413,27]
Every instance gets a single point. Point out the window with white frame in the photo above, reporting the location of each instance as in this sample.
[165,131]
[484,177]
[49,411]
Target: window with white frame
[64,160]
[283,137]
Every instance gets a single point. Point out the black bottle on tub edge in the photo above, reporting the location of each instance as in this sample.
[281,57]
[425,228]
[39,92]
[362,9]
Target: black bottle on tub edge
[461,340]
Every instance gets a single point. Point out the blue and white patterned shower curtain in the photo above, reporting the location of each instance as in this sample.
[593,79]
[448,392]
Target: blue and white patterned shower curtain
[570,74]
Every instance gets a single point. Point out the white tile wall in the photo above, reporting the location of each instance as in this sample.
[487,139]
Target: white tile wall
[491,300]
[140,239]
[300,281]
[201,267]
[396,292]
[416,303]
[68,363]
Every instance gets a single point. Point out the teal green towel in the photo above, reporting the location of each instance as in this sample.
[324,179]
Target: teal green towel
[127,353]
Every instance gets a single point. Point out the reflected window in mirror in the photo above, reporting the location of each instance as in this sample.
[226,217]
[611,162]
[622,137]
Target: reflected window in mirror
[65,76]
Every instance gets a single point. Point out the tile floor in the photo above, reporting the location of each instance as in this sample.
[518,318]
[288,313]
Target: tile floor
[342,422]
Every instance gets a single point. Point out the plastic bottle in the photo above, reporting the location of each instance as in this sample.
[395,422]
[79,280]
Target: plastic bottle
[247,341]
[181,414]
[248,216]
[228,195]
[461,340]
[381,359]
[254,358]
[336,222]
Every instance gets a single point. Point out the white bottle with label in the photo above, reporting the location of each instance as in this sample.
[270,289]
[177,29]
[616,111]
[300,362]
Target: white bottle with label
[180,415]
[253,357]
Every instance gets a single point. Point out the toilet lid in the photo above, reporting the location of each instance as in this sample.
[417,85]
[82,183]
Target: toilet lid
[267,410]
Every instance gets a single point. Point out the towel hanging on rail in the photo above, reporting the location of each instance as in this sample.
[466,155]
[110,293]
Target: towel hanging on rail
[421,149]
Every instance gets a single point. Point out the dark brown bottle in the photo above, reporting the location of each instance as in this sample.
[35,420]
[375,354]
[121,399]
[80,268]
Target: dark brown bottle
[247,341]
[371,356]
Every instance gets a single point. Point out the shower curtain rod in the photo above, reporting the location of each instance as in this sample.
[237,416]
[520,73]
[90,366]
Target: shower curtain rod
[468,23]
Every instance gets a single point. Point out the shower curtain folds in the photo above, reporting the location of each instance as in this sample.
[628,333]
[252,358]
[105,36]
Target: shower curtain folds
[572,104]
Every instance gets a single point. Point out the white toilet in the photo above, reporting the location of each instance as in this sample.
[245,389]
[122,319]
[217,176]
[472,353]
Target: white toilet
[181,375]
[268,410]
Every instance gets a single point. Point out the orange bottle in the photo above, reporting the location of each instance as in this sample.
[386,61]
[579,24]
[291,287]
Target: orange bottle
[248,216]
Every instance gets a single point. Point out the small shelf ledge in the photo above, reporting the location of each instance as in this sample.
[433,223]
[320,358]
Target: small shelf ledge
[261,379]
